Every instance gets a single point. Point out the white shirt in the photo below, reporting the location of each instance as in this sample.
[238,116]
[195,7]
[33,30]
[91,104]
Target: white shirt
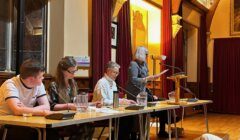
[14,88]
[104,90]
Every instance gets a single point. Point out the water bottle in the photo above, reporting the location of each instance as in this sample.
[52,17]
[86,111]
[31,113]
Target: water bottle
[142,98]
[115,99]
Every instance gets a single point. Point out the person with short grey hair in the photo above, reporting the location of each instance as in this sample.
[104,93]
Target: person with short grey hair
[104,88]
[103,91]
[112,65]
[138,74]
[141,53]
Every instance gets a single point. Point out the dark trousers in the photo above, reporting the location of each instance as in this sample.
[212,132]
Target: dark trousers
[27,133]
[125,127]
[162,115]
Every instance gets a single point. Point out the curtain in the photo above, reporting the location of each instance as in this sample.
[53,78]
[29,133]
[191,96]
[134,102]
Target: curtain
[124,52]
[166,44]
[178,41]
[101,37]
[203,78]
[178,44]
[226,68]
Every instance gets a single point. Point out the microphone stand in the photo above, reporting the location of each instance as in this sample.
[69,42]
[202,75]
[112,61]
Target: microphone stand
[177,68]
[126,91]
[131,107]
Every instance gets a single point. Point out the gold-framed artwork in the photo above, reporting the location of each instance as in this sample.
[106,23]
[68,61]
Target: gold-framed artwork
[139,26]
[235,17]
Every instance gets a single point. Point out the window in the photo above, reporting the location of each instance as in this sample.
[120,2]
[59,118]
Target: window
[33,31]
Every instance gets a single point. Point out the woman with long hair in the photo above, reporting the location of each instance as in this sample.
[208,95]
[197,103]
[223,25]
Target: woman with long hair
[61,93]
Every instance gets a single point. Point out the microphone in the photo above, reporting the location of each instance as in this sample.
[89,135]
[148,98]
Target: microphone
[61,115]
[170,66]
[159,57]
[195,99]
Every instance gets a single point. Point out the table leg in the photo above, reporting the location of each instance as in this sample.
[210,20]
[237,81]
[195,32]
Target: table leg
[175,126]
[110,129]
[147,126]
[4,133]
[116,128]
[44,134]
[39,133]
[205,114]
[157,123]
[169,124]
[182,117]
[141,126]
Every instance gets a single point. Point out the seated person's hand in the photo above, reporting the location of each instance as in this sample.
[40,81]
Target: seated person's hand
[47,112]
[126,102]
[155,97]
[20,104]
[132,102]
[98,104]
[72,106]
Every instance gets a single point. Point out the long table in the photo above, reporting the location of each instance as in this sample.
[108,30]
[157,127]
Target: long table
[40,123]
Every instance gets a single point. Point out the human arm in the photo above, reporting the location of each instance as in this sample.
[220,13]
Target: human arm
[134,74]
[13,104]
[102,97]
[54,101]
[156,76]
[126,101]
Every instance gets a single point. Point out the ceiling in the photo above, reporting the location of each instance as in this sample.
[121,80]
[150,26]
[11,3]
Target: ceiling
[159,3]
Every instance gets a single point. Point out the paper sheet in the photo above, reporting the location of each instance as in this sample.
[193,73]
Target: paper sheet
[161,73]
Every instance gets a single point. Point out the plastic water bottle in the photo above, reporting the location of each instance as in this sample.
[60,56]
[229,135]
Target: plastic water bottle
[142,98]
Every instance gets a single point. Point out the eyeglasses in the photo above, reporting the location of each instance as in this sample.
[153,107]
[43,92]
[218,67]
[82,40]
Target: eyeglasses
[72,72]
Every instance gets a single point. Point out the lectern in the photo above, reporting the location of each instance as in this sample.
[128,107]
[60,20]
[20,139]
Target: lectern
[176,78]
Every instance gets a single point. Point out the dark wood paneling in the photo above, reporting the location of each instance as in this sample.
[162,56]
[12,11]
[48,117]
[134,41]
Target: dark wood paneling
[84,83]
[4,76]
[155,87]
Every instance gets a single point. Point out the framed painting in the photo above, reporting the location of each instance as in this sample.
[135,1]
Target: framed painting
[139,27]
[114,35]
[235,17]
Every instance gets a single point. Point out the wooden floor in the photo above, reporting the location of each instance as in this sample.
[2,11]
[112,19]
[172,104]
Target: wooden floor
[194,126]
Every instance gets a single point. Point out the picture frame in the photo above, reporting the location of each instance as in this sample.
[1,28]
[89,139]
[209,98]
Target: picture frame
[114,28]
[235,17]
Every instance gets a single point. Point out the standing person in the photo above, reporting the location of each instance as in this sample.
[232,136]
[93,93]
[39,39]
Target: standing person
[20,94]
[62,92]
[137,80]
[103,91]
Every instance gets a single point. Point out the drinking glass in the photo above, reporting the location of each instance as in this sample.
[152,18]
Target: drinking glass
[171,96]
[81,102]
[142,98]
